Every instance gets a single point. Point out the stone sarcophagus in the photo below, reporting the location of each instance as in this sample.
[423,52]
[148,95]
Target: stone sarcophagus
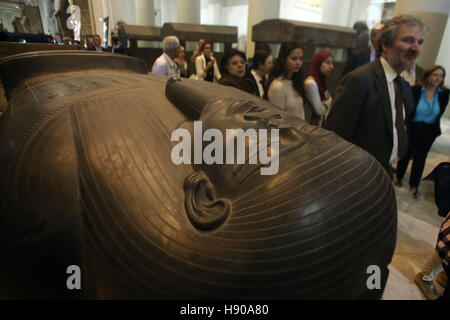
[88,179]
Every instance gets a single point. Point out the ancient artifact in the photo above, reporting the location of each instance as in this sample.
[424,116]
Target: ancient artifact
[88,180]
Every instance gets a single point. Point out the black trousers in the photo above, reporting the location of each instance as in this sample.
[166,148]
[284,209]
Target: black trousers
[420,142]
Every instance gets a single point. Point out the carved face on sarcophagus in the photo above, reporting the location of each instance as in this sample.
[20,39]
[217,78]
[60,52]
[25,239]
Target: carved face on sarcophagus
[89,179]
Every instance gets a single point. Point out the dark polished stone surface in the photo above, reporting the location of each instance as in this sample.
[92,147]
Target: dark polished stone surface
[87,179]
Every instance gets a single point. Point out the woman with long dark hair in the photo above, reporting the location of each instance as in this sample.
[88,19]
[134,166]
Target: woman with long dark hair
[431,99]
[317,93]
[286,89]
[234,70]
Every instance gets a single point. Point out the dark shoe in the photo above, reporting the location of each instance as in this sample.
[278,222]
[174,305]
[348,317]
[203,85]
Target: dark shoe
[415,192]
[397,183]
[441,279]
[427,287]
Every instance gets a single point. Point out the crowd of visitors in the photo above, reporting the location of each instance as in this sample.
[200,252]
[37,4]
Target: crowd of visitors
[373,105]
[430,102]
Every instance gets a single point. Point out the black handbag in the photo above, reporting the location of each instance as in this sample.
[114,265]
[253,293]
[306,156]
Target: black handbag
[441,177]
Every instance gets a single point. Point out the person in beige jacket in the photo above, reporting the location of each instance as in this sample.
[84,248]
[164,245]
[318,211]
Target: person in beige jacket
[206,65]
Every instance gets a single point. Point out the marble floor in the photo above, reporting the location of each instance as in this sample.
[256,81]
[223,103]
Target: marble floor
[418,226]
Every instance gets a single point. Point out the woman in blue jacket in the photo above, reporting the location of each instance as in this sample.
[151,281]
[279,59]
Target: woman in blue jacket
[431,99]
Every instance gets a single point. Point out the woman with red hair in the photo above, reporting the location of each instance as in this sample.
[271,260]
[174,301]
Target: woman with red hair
[205,65]
[319,98]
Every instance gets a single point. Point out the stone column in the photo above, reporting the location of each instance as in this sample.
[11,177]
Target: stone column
[168,11]
[145,16]
[213,12]
[145,12]
[259,10]
[99,11]
[188,11]
[44,10]
[122,10]
[435,15]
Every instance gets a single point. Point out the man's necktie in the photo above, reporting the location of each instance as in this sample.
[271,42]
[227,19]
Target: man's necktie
[399,123]
[263,84]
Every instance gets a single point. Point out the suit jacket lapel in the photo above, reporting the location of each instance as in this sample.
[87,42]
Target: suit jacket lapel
[383,94]
[253,82]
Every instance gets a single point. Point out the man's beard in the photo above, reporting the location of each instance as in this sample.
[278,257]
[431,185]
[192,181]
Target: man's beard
[408,63]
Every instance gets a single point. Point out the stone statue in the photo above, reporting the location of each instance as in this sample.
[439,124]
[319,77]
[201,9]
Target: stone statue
[88,179]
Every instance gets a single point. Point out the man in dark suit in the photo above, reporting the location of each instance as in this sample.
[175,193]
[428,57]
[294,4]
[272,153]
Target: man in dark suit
[361,56]
[372,105]
[259,72]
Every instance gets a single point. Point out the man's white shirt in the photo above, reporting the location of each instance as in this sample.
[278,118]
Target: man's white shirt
[165,66]
[258,82]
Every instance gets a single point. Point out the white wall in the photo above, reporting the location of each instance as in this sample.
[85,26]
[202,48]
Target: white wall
[296,10]
[375,14]
[434,14]
[188,11]
[134,12]
[359,10]
[228,13]
[45,12]
[211,12]
[437,6]
[168,11]
[336,12]
[443,55]
[145,12]
[235,13]
[122,10]
[99,11]
[259,10]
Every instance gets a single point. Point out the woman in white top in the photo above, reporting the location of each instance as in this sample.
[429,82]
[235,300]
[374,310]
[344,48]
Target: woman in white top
[315,86]
[286,90]
[205,65]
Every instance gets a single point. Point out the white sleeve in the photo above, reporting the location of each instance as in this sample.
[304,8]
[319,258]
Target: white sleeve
[159,68]
[277,95]
[312,93]
[199,68]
